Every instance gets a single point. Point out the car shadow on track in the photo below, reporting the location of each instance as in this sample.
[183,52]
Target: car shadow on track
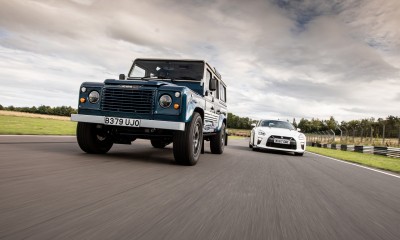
[246,148]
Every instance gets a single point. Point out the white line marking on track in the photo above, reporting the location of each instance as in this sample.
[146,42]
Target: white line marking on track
[357,165]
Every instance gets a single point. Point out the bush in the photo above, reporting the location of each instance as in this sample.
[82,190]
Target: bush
[59,111]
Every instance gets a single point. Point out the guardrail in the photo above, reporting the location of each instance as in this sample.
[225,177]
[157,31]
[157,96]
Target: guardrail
[383,151]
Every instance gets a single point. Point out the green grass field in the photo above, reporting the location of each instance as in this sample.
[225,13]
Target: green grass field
[380,162]
[35,126]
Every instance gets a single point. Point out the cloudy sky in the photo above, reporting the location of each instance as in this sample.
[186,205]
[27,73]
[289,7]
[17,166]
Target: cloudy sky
[279,58]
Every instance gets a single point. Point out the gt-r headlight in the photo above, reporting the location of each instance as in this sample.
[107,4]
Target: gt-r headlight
[94,96]
[165,101]
[261,132]
[302,137]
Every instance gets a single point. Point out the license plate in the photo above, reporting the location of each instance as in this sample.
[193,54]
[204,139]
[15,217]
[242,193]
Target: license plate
[281,141]
[127,122]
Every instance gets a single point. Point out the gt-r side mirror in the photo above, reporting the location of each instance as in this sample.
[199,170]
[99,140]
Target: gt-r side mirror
[122,77]
[298,129]
[213,84]
[253,125]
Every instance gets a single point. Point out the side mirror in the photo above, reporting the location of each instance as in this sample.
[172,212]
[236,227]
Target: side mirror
[122,77]
[213,84]
[298,129]
[253,125]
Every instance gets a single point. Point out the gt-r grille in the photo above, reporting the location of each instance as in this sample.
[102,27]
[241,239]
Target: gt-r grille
[271,143]
[128,100]
[281,137]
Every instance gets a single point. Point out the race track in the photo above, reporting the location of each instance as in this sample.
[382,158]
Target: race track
[50,189]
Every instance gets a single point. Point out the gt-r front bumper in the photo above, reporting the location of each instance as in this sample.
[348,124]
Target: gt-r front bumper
[282,143]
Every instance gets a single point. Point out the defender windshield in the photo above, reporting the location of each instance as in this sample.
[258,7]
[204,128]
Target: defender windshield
[167,70]
[277,124]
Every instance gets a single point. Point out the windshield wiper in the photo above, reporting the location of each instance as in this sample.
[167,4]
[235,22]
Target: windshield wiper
[185,78]
[148,78]
[165,78]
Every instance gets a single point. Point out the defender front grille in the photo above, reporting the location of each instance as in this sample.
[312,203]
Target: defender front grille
[128,100]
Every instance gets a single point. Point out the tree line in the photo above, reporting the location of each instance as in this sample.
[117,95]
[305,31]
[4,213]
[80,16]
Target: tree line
[234,121]
[390,126]
[59,111]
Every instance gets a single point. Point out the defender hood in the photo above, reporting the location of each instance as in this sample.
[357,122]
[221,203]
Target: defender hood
[141,83]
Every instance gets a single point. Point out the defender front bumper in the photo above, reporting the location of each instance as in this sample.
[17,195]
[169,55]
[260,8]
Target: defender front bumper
[144,123]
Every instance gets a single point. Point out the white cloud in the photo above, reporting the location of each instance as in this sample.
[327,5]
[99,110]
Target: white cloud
[279,58]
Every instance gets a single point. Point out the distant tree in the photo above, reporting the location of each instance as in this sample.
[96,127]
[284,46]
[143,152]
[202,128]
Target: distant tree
[1,107]
[331,123]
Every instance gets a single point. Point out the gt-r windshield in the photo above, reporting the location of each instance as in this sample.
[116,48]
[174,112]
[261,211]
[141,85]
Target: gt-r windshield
[277,124]
[167,70]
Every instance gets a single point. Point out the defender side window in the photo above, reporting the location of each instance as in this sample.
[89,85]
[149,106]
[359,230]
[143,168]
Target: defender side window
[207,80]
[223,93]
[217,91]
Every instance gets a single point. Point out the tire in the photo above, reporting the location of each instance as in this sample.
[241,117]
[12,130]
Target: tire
[91,139]
[298,154]
[158,143]
[188,143]
[217,142]
[250,146]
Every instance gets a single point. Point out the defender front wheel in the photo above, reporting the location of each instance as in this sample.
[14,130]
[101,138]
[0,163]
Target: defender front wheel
[188,143]
[92,139]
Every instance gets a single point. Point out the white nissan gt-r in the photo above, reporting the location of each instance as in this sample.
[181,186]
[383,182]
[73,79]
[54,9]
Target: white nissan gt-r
[277,135]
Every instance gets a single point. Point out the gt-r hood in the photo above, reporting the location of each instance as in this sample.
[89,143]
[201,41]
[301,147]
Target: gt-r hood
[280,132]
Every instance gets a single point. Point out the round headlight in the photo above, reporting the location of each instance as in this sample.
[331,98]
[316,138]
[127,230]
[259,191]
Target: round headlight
[83,89]
[94,97]
[165,101]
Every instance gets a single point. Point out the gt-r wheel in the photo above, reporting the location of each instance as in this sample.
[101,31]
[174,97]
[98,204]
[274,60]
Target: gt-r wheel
[217,142]
[92,139]
[188,143]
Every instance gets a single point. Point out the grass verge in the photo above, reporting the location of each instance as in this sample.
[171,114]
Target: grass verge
[380,162]
[35,126]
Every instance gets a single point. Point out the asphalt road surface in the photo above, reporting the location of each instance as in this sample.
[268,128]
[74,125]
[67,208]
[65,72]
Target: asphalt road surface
[50,189]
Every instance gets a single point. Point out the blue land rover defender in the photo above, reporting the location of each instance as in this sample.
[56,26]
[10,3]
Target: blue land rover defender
[166,101]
